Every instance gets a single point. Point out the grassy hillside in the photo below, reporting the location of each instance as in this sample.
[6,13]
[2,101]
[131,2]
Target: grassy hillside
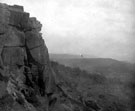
[110,82]
[108,67]
[111,94]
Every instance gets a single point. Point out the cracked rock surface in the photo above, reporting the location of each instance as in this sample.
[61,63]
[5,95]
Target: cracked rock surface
[25,70]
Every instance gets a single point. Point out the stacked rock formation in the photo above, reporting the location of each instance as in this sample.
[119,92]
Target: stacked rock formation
[25,70]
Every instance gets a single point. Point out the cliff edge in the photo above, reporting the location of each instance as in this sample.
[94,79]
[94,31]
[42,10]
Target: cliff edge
[26,78]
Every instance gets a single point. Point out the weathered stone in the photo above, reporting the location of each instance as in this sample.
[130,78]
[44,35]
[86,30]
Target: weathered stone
[14,38]
[4,14]
[21,48]
[13,56]
[50,80]
[40,55]
[3,28]
[14,15]
[3,86]
[16,8]
[34,24]
[33,39]
[18,19]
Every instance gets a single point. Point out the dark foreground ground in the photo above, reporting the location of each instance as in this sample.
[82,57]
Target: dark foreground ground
[108,82]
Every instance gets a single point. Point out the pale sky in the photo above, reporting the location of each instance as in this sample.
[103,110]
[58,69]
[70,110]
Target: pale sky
[103,28]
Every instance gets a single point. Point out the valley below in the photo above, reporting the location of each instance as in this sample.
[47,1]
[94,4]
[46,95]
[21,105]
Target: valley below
[107,81]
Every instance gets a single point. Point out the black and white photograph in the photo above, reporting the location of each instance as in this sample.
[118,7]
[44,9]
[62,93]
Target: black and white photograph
[67,55]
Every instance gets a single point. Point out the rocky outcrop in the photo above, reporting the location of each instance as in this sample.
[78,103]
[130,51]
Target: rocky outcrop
[27,80]
[25,72]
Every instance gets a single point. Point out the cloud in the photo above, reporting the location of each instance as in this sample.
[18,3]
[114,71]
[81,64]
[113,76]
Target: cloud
[104,28]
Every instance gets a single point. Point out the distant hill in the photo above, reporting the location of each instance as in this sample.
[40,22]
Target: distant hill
[92,64]
[70,56]
[106,66]
[110,94]
[108,81]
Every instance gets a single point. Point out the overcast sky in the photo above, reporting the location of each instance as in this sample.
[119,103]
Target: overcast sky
[103,28]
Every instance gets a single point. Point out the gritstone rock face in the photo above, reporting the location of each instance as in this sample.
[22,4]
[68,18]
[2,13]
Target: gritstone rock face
[25,71]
